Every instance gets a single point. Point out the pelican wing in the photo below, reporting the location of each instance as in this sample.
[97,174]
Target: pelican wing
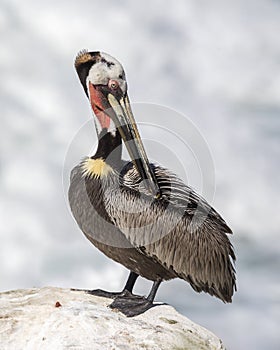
[180,230]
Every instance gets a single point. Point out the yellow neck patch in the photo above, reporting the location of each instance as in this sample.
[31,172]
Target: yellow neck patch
[96,168]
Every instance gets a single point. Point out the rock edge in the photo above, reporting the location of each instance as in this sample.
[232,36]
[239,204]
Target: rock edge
[56,318]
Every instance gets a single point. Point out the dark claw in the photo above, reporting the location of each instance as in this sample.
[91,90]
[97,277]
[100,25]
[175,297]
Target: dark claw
[104,293]
[127,303]
[131,305]
[101,293]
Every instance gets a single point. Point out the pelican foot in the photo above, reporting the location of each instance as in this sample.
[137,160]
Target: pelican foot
[101,293]
[104,293]
[131,305]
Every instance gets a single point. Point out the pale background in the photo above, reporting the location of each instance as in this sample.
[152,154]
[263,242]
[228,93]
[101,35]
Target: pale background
[218,63]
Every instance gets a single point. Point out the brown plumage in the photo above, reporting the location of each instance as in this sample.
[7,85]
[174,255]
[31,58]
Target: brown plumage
[179,235]
[137,213]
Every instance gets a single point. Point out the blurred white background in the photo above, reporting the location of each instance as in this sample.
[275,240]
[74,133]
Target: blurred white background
[216,62]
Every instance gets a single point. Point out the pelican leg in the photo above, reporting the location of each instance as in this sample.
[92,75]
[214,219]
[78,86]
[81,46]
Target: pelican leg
[153,291]
[130,281]
[132,305]
[127,288]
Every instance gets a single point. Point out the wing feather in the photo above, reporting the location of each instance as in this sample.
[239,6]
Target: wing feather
[180,230]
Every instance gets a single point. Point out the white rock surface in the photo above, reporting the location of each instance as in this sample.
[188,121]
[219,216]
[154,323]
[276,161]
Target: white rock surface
[54,318]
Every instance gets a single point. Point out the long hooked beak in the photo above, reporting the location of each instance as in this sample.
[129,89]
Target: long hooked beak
[126,125]
[129,132]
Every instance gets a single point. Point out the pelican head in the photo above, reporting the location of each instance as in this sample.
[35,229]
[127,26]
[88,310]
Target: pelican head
[104,82]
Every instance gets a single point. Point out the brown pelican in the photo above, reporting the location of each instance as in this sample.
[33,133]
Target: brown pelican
[138,213]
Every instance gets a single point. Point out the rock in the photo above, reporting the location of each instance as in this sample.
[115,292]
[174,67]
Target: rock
[55,318]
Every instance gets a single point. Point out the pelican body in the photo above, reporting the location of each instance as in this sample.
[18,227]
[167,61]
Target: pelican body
[137,213]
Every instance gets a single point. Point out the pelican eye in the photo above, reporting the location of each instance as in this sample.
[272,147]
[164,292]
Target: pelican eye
[113,84]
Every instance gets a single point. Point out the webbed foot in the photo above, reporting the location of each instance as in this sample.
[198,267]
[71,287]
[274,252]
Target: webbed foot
[131,305]
[100,293]
[104,293]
